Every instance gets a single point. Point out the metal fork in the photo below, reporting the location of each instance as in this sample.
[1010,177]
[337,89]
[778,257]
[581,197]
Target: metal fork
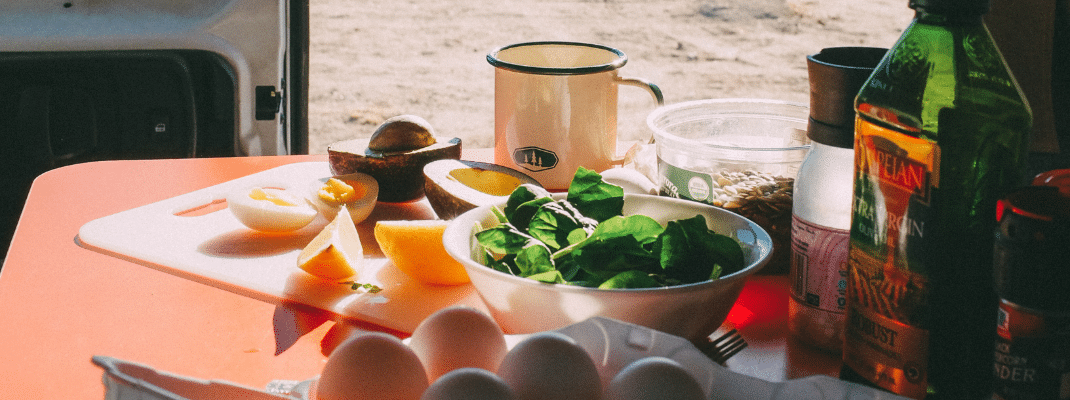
[723,347]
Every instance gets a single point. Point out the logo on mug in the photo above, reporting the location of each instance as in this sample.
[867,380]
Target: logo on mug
[535,159]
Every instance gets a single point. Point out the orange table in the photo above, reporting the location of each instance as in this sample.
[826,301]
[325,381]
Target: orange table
[60,304]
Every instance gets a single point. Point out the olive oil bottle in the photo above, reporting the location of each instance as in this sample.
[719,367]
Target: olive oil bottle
[941,133]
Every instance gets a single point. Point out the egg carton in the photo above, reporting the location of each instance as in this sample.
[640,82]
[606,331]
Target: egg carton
[612,344]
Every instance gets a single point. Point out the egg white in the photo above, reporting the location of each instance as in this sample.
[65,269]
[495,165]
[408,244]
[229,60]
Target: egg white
[265,216]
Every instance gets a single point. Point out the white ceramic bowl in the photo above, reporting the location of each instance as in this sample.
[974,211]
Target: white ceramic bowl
[692,311]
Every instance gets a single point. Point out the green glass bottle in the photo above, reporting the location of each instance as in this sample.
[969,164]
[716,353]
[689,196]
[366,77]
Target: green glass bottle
[942,132]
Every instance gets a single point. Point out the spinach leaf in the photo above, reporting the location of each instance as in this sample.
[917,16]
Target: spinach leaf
[594,197]
[629,280]
[523,194]
[603,259]
[548,277]
[584,240]
[690,252]
[513,252]
[506,263]
[553,222]
[504,239]
[577,236]
[534,259]
[619,244]
[523,203]
[644,229]
[570,271]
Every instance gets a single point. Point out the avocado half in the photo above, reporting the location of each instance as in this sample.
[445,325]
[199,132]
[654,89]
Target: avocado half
[455,186]
[399,173]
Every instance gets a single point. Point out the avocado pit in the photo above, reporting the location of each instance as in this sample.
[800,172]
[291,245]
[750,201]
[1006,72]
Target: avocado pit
[395,156]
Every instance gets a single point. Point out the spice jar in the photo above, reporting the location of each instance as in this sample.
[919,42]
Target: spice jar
[1032,275]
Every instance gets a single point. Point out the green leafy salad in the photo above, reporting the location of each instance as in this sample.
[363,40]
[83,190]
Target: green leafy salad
[585,240]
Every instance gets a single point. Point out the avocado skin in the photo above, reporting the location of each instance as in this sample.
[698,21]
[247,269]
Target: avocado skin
[400,174]
[450,204]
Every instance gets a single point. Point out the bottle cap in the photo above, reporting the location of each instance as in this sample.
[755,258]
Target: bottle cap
[968,7]
[1059,178]
[1030,252]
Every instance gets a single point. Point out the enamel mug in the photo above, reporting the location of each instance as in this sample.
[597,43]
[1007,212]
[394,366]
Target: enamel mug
[555,108]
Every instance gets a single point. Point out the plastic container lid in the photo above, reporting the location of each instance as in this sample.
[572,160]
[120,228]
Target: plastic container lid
[743,131]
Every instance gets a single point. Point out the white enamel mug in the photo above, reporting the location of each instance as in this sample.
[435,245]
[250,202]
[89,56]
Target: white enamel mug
[555,108]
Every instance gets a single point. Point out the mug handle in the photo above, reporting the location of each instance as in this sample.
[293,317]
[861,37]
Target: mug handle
[645,84]
[650,87]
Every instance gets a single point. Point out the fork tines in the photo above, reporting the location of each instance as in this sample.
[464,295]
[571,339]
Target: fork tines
[723,347]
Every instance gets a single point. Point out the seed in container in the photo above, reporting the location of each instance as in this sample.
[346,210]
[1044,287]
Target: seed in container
[735,190]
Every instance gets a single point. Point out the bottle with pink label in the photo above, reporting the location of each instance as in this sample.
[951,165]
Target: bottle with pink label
[821,217]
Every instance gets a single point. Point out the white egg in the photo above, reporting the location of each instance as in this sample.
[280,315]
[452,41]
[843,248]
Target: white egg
[458,337]
[654,378]
[631,180]
[469,383]
[372,365]
[550,366]
[270,209]
[366,194]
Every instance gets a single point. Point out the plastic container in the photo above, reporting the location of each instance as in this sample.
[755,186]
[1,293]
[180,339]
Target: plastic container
[738,154]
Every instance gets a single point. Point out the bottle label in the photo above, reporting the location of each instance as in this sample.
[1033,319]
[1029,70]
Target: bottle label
[819,265]
[1032,354]
[886,340]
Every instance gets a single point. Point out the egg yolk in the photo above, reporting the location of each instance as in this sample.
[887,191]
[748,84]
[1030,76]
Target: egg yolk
[337,191]
[261,195]
[490,182]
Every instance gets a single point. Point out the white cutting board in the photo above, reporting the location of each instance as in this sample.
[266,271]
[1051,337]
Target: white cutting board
[196,237]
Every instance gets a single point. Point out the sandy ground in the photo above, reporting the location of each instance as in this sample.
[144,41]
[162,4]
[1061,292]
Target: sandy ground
[374,59]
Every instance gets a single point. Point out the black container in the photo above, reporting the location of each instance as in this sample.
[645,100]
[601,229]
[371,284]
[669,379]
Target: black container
[1032,278]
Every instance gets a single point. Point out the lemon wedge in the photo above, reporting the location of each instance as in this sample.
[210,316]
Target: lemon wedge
[415,247]
[335,254]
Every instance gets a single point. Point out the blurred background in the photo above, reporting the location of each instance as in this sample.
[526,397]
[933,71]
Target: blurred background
[371,60]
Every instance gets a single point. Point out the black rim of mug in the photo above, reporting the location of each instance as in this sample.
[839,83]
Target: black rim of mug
[621,59]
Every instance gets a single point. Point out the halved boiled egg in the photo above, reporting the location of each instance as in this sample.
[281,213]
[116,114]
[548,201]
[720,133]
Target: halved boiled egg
[357,192]
[270,209]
